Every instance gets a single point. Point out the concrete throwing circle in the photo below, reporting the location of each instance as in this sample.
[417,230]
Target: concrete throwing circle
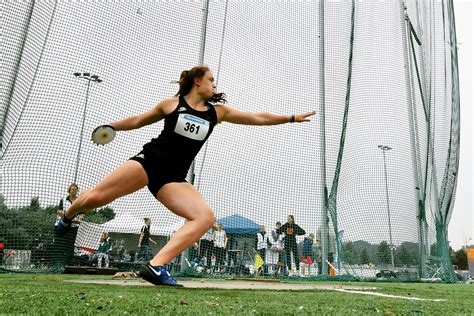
[259,285]
[230,284]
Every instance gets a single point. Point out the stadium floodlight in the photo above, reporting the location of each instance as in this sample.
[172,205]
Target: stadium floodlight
[89,78]
[384,149]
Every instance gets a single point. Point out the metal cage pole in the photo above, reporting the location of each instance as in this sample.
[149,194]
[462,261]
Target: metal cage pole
[202,49]
[322,105]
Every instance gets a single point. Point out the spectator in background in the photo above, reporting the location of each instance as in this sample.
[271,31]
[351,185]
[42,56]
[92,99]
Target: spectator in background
[193,255]
[37,252]
[307,257]
[103,251]
[331,246]
[291,230]
[72,193]
[64,247]
[144,252]
[277,247]
[206,247]
[261,243]
[220,243]
[319,256]
[232,249]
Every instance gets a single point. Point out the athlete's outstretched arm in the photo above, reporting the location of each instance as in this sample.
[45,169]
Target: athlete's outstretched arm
[153,115]
[232,115]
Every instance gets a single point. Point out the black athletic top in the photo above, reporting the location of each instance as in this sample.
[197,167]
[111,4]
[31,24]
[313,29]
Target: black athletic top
[185,131]
[291,231]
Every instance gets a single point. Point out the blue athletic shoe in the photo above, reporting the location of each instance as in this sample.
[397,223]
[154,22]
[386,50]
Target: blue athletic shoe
[63,227]
[157,275]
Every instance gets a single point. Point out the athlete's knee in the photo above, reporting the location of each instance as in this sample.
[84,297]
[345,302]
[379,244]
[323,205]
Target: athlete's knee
[94,198]
[207,218]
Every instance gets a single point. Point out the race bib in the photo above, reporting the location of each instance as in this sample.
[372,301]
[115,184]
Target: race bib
[191,126]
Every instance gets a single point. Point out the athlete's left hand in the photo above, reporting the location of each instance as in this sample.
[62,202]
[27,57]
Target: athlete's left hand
[299,118]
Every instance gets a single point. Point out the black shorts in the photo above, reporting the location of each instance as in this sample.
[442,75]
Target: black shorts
[159,173]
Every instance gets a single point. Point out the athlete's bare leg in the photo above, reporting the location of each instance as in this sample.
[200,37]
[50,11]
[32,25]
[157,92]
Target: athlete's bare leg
[127,178]
[183,200]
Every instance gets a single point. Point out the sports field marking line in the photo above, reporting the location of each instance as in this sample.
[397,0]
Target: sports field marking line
[411,298]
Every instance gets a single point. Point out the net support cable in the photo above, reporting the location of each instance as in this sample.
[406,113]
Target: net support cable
[322,115]
[332,200]
[10,89]
[10,93]
[406,33]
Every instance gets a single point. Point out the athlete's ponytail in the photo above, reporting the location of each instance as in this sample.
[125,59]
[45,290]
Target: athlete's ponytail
[186,81]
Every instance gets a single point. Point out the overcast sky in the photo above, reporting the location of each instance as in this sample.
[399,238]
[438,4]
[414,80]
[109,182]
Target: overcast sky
[461,227]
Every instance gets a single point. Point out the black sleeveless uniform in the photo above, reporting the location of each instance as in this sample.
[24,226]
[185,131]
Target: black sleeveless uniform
[168,157]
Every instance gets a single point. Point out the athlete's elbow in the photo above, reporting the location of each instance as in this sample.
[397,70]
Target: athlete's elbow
[138,122]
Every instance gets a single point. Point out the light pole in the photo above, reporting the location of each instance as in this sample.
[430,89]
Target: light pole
[90,78]
[385,149]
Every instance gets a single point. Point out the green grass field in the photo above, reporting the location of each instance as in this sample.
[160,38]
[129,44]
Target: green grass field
[51,294]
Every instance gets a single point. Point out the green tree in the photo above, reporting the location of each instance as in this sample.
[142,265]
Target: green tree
[349,254]
[460,259]
[364,257]
[403,256]
[34,204]
[3,206]
[413,249]
[383,252]
[20,226]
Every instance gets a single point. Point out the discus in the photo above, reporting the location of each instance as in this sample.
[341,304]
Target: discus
[103,134]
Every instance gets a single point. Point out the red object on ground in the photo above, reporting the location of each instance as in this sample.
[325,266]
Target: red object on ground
[88,249]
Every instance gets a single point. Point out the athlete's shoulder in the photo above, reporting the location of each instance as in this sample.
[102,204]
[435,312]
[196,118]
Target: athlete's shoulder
[169,101]
[221,110]
[168,105]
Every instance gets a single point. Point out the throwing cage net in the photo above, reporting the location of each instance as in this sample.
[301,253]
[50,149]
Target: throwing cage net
[372,177]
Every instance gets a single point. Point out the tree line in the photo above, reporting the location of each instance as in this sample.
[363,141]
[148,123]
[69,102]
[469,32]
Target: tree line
[406,254]
[21,227]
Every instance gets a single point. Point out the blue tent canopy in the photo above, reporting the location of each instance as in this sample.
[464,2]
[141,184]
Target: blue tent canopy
[236,224]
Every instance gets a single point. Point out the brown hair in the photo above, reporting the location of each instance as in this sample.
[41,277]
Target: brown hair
[71,186]
[186,82]
[104,236]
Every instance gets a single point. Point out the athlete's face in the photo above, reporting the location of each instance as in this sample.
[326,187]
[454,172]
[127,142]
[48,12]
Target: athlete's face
[206,85]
